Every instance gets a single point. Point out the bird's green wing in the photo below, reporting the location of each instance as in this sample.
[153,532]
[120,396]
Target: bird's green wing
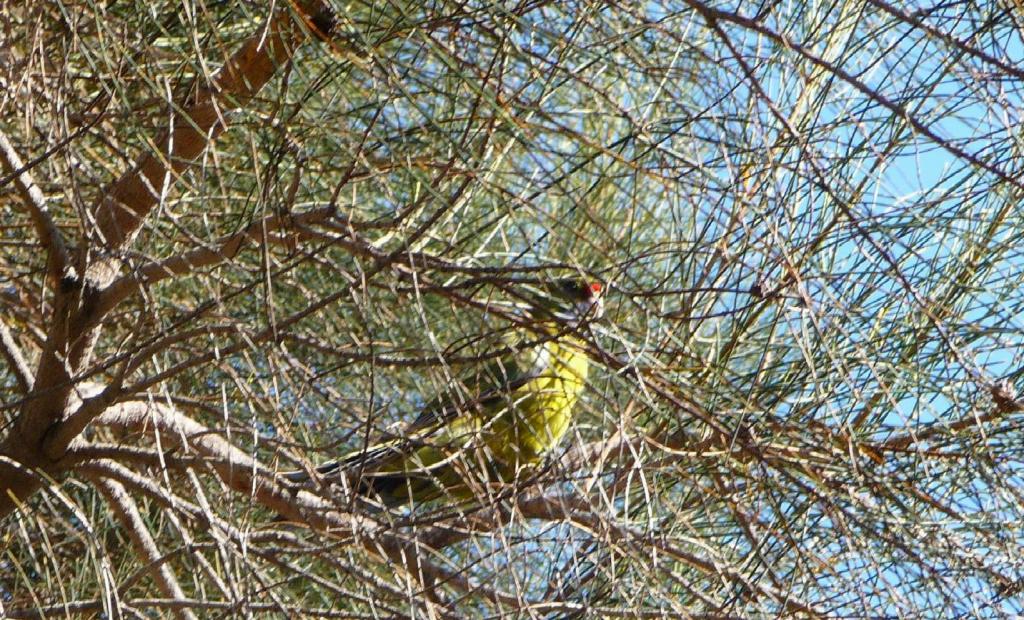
[492,385]
[485,387]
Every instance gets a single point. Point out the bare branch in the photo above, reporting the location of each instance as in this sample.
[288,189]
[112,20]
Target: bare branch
[223,249]
[127,512]
[12,353]
[35,202]
[1006,401]
[236,468]
[179,604]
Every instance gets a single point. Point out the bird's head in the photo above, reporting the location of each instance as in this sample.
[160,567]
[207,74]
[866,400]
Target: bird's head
[573,299]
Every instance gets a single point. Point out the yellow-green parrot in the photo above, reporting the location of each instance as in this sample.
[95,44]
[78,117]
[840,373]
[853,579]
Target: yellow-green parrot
[461,450]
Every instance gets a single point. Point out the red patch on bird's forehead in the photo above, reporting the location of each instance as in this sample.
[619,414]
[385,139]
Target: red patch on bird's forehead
[595,287]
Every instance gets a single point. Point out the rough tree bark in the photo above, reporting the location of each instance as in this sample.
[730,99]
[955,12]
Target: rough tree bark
[29,453]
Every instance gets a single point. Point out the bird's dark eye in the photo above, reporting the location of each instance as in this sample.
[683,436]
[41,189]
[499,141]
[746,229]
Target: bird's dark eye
[572,288]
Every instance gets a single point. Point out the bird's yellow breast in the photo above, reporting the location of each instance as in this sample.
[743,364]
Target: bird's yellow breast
[495,444]
[543,406]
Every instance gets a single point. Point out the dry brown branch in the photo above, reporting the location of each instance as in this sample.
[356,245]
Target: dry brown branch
[125,205]
[127,512]
[234,467]
[145,486]
[117,219]
[15,360]
[50,238]
[1006,403]
[223,249]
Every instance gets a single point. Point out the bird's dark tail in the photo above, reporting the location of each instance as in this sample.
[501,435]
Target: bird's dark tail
[367,460]
[300,476]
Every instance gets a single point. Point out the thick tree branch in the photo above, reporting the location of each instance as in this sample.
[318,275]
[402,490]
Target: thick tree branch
[237,469]
[234,467]
[143,457]
[117,217]
[121,211]
[145,486]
